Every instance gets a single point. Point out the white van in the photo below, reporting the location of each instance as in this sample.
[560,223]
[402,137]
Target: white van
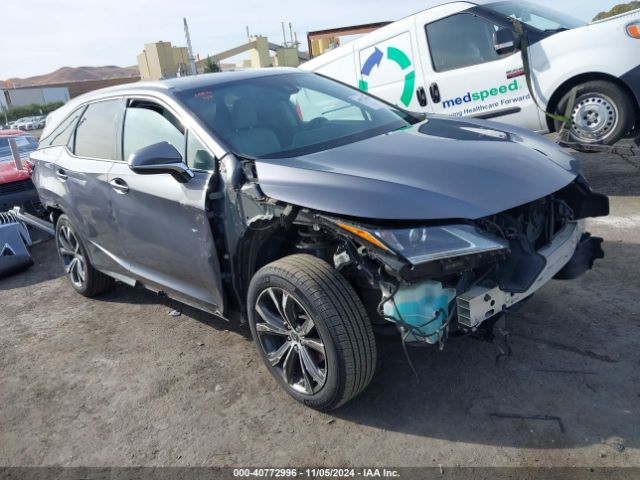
[464,59]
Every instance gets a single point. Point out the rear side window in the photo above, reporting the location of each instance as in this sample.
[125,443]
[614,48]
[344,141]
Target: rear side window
[460,41]
[146,124]
[63,135]
[97,131]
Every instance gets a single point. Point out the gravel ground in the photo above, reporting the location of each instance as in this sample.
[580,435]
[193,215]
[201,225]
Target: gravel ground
[116,381]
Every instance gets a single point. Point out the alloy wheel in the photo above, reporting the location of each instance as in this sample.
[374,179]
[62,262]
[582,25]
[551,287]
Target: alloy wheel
[290,340]
[72,257]
[594,117]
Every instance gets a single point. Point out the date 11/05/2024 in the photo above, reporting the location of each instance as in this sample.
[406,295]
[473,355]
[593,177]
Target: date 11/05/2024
[316,472]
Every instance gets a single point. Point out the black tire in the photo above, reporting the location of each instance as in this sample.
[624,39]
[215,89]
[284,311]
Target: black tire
[341,324]
[603,113]
[84,279]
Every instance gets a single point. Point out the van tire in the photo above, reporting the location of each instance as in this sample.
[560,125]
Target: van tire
[603,113]
[341,326]
[94,282]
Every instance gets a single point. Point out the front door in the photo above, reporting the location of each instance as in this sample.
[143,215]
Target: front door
[465,77]
[163,224]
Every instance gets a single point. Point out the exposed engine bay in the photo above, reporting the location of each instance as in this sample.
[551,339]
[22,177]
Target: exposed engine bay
[439,279]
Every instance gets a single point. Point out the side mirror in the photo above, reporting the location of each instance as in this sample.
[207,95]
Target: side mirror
[505,41]
[160,158]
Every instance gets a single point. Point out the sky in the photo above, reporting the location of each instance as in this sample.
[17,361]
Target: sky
[41,36]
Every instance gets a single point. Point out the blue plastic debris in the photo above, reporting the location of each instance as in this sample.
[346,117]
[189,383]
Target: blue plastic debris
[424,307]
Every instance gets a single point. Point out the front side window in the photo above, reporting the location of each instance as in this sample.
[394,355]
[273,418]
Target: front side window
[461,40]
[282,115]
[146,123]
[97,131]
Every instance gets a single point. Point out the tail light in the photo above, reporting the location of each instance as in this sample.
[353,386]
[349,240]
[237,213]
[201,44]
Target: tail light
[633,29]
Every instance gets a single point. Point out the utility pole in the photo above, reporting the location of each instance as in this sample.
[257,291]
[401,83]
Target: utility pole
[192,59]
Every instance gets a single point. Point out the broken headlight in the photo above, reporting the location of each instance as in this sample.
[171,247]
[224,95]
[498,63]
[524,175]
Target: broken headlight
[426,244]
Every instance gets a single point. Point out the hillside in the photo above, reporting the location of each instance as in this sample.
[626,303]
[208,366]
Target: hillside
[77,74]
[617,10]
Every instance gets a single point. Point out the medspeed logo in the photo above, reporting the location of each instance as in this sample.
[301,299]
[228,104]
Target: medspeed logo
[482,95]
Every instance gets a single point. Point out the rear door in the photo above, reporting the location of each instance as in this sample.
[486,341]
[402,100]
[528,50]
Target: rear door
[50,187]
[82,171]
[464,76]
[163,224]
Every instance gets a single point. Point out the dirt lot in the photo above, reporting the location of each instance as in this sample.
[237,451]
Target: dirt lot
[117,381]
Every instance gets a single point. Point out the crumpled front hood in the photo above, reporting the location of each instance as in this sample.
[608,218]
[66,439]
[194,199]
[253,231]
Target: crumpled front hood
[439,169]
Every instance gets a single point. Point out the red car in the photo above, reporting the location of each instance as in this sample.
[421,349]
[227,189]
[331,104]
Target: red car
[16,187]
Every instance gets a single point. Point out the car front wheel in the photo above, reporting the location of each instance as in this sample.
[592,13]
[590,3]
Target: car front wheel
[603,113]
[312,331]
[84,278]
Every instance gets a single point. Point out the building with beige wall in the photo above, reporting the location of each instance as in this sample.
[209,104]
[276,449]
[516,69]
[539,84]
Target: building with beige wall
[162,60]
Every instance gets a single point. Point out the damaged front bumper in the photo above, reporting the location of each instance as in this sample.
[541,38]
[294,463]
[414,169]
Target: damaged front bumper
[440,278]
[569,255]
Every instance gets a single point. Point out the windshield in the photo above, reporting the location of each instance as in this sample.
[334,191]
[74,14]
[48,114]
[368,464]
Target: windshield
[538,17]
[25,144]
[293,114]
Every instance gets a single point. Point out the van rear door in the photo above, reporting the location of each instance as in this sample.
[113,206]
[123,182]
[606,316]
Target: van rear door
[465,77]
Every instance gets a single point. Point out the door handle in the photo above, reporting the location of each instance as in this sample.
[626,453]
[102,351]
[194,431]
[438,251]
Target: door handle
[422,97]
[434,90]
[61,174]
[119,185]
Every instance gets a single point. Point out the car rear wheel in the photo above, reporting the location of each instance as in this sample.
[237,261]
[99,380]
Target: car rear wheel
[312,331]
[602,113]
[85,279]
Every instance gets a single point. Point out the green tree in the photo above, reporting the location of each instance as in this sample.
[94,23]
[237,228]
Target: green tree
[210,66]
[617,10]
[33,110]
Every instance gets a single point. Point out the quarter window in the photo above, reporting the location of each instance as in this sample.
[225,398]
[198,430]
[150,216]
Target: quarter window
[63,135]
[97,131]
[460,41]
[146,124]
[198,156]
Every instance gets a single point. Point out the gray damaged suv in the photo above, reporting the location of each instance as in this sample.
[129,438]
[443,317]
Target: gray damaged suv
[315,211]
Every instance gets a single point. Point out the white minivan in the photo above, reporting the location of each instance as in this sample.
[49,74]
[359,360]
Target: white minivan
[465,59]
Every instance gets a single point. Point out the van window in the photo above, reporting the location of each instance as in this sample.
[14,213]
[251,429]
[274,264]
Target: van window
[460,41]
[536,16]
[147,123]
[96,134]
